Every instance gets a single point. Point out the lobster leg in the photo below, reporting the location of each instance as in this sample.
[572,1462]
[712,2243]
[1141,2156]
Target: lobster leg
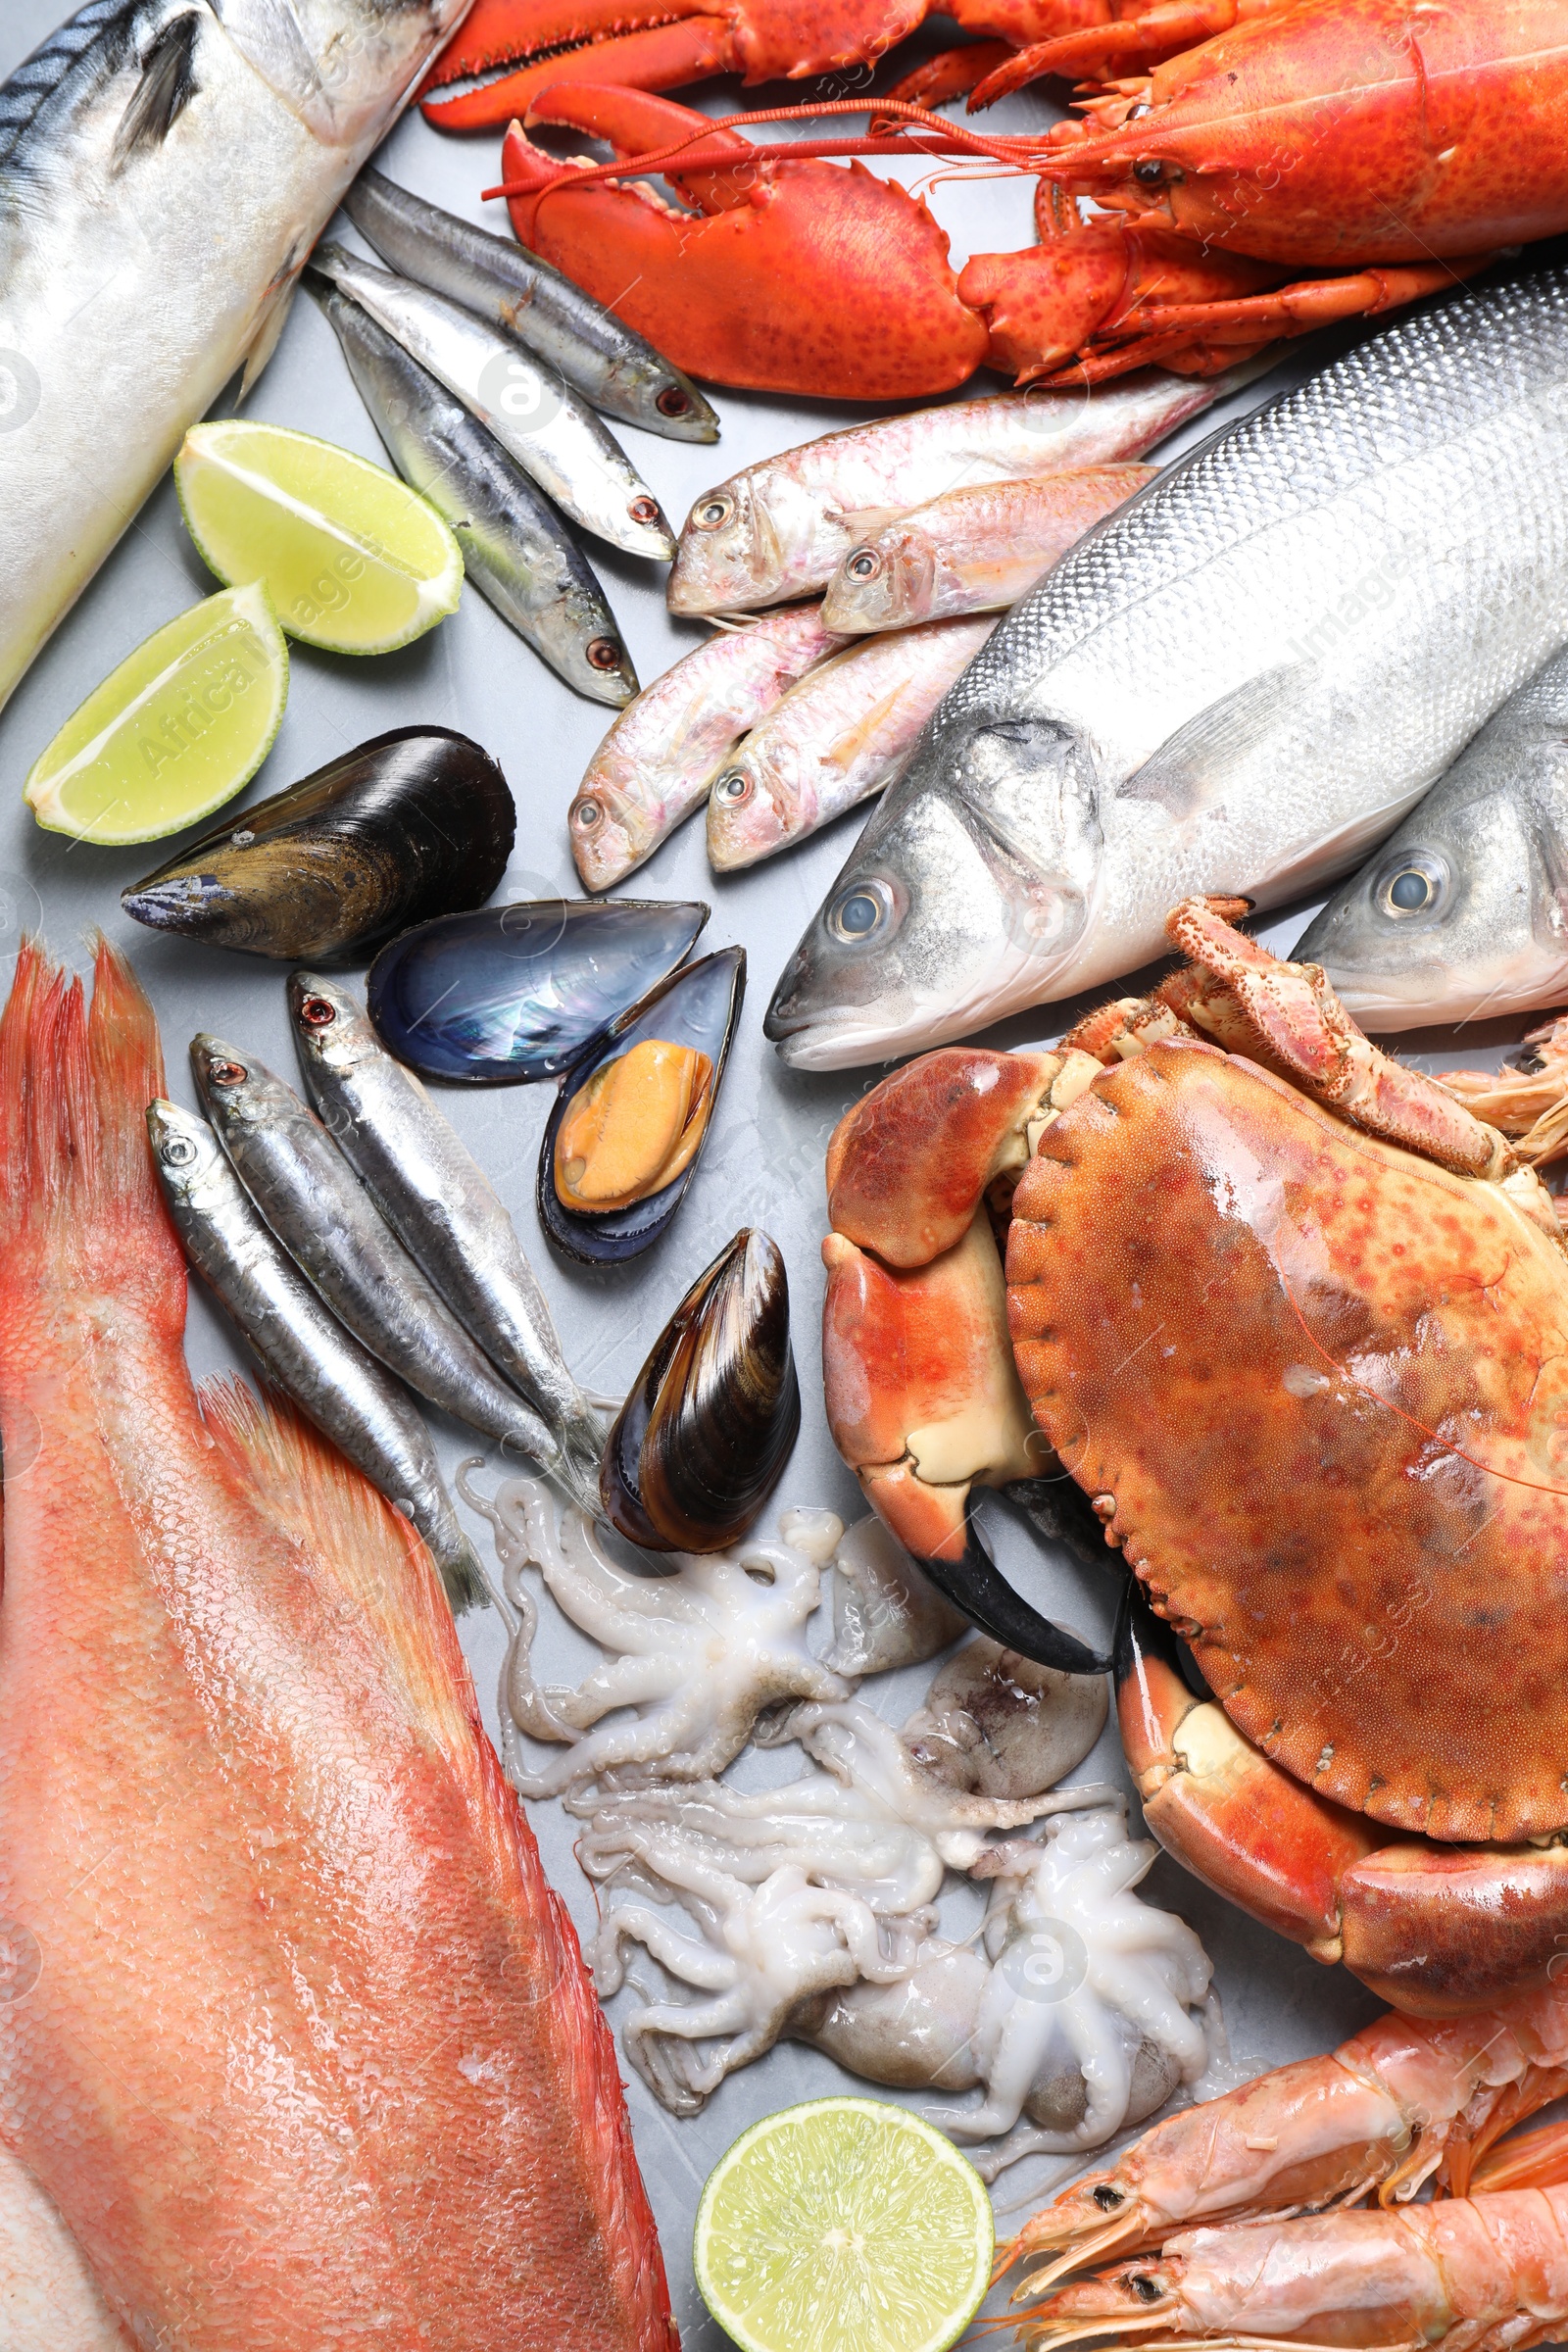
[1100,52]
[1437,1931]
[950,74]
[659,57]
[795,277]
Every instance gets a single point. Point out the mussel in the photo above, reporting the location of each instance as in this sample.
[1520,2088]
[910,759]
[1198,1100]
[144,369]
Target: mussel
[713,1414]
[415,823]
[634,1111]
[511,993]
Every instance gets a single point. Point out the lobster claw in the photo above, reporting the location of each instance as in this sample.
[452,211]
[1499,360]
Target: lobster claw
[785,276]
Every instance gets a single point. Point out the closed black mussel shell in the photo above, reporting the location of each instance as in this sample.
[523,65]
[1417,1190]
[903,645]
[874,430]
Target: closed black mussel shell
[698,1005]
[712,1420]
[511,993]
[410,824]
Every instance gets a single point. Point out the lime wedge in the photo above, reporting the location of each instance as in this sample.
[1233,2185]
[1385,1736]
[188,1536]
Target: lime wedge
[353,560]
[176,731]
[843,2225]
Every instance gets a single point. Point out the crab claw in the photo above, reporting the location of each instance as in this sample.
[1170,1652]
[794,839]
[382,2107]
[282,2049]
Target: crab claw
[791,277]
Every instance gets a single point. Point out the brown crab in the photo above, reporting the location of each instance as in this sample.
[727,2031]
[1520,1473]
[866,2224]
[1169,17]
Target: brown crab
[1297,1323]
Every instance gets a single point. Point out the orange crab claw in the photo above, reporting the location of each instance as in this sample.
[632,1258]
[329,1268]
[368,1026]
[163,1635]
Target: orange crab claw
[792,278]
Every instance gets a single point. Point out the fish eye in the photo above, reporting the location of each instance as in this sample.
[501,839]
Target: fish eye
[228,1074]
[863,564]
[733,787]
[179,1151]
[644,510]
[316,1014]
[714,513]
[586,815]
[1415,883]
[863,909]
[603,654]
[673,402]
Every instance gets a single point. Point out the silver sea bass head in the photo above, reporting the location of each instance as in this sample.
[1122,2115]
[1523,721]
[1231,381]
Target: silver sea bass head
[957,903]
[344,66]
[190,1162]
[1463,913]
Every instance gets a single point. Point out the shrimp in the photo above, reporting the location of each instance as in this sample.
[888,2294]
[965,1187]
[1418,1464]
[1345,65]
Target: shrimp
[1485,2274]
[1404,2101]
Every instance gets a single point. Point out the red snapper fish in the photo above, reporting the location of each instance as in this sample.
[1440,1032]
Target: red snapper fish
[297,2049]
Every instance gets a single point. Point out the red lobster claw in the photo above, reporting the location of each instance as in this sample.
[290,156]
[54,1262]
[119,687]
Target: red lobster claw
[786,275]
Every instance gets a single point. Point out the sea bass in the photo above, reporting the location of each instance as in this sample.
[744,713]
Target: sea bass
[836,738]
[166,167]
[1463,913]
[781,529]
[1237,683]
[308,2057]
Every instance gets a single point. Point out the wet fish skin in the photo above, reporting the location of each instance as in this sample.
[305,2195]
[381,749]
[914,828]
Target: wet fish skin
[656,763]
[1239,682]
[334,1381]
[124,137]
[314,1203]
[975,550]
[842,734]
[781,529]
[516,550]
[309,2059]
[1489,845]
[532,304]
[443,1210]
[532,412]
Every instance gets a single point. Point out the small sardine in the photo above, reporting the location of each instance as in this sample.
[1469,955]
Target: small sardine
[976,550]
[527,301]
[533,412]
[515,548]
[318,1209]
[442,1207]
[334,1381]
[782,528]
[1463,913]
[656,763]
[839,735]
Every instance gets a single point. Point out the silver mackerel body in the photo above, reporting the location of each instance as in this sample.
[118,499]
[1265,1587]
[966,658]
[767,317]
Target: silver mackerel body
[166,167]
[439,1202]
[330,1377]
[1239,682]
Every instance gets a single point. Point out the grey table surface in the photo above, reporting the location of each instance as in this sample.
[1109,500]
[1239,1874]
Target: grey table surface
[763,1161]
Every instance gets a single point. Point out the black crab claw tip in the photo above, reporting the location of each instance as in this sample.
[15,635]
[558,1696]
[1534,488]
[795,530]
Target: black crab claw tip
[1141,1637]
[976,1586]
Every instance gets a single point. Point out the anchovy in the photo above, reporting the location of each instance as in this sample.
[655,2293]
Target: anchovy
[532,304]
[515,548]
[532,411]
[1463,913]
[656,763]
[1237,683]
[976,550]
[315,1206]
[440,1204]
[782,528]
[334,1381]
[842,734]
[166,167]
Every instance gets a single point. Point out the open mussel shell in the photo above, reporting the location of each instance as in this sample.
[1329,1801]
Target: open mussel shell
[712,1417]
[415,823]
[697,1007]
[513,993]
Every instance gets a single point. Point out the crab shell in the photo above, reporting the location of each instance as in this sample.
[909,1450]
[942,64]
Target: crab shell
[1315,1385]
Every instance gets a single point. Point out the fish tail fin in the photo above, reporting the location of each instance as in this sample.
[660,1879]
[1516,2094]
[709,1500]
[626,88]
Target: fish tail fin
[76,1167]
[354,1537]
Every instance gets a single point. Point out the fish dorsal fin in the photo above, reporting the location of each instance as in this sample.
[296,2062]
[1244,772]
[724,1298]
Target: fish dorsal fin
[358,1543]
[1192,768]
[166,86]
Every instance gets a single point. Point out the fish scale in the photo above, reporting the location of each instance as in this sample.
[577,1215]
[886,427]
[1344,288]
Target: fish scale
[1237,683]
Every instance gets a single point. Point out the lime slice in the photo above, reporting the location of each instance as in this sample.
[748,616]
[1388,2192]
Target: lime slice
[843,2225]
[176,731]
[352,558]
